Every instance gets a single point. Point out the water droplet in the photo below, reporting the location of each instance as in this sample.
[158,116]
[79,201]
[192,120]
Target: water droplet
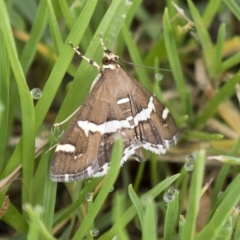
[115,238]
[189,164]
[220,194]
[89,197]
[36,93]
[172,190]
[158,76]
[57,130]
[94,232]
[168,197]
[190,157]
[112,188]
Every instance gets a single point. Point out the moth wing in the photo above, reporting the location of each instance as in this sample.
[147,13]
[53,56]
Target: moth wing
[154,125]
[77,151]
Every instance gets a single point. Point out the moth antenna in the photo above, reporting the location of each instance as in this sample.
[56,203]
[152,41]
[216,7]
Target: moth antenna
[65,120]
[150,67]
[90,61]
[106,50]
[51,148]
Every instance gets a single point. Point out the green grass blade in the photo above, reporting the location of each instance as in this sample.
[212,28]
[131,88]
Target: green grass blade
[27,110]
[13,217]
[36,226]
[236,233]
[204,38]
[4,99]
[219,48]
[226,91]
[230,62]
[50,189]
[226,230]
[219,183]
[175,63]
[229,200]
[66,13]
[137,204]
[37,30]
[139,176]
[210,12]
[149,228]
[203,136]
[130,213]
[171,217]
[188,230]
[141,72]
[55,32]
[235,9]
[42,171]
[119,208]
[27,9]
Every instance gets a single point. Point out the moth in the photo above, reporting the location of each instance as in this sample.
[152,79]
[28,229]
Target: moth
[117,103]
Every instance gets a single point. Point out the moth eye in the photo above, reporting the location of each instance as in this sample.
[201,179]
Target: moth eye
[105,61]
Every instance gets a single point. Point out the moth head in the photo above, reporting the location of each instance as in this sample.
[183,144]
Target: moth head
[110,60]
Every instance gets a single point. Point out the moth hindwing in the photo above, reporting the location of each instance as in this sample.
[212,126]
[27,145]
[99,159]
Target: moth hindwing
[117,103]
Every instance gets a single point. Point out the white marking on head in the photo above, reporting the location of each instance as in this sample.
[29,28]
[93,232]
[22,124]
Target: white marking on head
[111,66]
[65,148]
[165,113]
[112,60]
[123,100]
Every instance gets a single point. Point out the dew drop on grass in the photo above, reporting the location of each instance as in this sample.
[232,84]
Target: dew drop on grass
[189,163]
[158,76]
[94,232]
[112,189]
[189,166]
[168,197]
[36,93]
[89,197]
[59,131]
[219,195]
[172,190]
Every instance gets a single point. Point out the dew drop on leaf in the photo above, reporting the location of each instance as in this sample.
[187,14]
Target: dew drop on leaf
[36,93]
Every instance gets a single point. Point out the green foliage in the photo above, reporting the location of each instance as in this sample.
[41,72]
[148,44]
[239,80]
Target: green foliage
[35,52]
